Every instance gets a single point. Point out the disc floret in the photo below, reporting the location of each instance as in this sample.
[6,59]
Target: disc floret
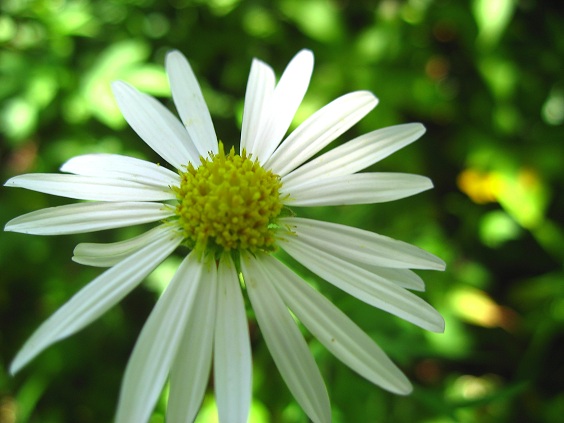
[229,202]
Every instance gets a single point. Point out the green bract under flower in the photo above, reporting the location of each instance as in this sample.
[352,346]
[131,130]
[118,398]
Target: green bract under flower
[229,202]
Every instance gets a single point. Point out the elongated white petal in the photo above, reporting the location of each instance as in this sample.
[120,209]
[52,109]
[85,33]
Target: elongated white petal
[190,103]
[191,367]
[121,167]
[336,331]
[260,88]
[285,342]
[360,188]
[87,217]
[156,125]
[361,246]
[319,130]
[107,255]
[232,348]
[288,95]
[356,154]
[96,298]
[90,188]
[401,277]
[158,343]
[365,286]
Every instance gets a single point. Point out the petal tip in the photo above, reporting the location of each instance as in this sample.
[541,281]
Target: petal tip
[174,56]
[440,264]
[441,328]
[420,127]
[306,55]
[371,98]
[174,52]
[14,369]
[437,326]
[10,226]
[18,363]
[404,390]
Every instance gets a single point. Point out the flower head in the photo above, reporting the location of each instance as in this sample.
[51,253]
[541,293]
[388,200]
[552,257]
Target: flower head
[230,211]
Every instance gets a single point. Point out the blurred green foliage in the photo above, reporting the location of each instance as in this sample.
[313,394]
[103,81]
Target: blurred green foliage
[484,76]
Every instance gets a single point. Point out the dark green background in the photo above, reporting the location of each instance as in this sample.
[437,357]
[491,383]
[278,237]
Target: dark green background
[486,77]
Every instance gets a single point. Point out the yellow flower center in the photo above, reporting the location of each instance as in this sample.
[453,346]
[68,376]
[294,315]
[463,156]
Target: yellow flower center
[229,202]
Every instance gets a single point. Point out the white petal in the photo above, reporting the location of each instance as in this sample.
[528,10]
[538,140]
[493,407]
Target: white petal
[190,103]
[158,343]
[336,331]
[288,95]
[357,154]
[95,298]
[121,167]
[87,217]
[360,245]
[360,188]
[90,188]
[260,88]
[156,125]
[107,255]
[232,348]
[191,367]
[285,342]
[319,130]
[401,277]
[365,286]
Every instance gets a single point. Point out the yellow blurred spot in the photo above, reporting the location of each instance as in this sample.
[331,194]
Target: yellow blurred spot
[471,387]
[8,410]
[481,187]
[522,194]
[476,307]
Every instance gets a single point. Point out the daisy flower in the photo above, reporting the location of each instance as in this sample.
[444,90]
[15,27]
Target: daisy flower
[231,211]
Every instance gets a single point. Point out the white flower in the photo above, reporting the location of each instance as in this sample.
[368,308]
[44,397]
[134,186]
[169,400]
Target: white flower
[231,211]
